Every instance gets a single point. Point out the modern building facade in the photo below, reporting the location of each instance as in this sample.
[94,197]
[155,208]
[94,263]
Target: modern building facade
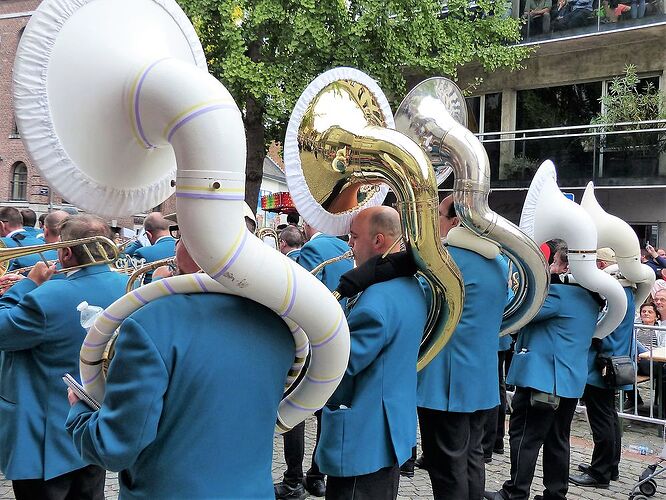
[543,111]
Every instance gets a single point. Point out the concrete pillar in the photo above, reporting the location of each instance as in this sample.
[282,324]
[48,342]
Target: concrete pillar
[508,123]
[661,235]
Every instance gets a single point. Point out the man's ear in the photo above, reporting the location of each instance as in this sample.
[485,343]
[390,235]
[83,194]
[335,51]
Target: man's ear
[379,240]
[456,221]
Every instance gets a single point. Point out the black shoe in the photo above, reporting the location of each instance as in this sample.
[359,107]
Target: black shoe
[488,459]
[287,491]
[499,450]
[316,487]
[421,463]
[584,468]
[588,481]
[407,469]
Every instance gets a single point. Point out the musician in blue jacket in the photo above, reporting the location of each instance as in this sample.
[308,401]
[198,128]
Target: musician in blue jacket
[369,424]
[600,399]
[549,370]
[319,247]
[451,410]
[162,244]
[290,242]
[40,341]
[190,406]
[29,220]
[14,235]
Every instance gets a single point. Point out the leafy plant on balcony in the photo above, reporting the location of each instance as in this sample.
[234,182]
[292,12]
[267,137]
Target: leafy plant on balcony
[521,167]
[629,100]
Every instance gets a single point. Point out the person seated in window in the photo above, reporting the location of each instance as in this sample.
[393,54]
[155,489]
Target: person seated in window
[613,9]
[574,14]
[537,16]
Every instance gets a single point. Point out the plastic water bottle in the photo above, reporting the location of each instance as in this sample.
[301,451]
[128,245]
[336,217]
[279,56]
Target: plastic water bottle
[641,449]
[88,314]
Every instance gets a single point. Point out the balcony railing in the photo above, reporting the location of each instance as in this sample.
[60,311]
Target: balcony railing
[598,17]
[622,154]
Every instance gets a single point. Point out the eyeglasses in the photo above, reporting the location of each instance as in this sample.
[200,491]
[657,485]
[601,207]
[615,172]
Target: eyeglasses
[175,232]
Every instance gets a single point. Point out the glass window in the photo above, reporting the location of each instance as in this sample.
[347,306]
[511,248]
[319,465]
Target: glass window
[492,122]
[561,106]
[473,113]
[19,182]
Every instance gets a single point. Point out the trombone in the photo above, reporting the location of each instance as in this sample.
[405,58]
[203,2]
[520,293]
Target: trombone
[99,242]
[151,266]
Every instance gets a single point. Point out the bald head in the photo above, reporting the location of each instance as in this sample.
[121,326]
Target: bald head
[74,227]
[52,223]
[373,232]
[156,226]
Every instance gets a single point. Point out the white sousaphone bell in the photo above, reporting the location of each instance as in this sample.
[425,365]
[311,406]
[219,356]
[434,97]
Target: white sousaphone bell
[116,109]
[613,232]
[547,214]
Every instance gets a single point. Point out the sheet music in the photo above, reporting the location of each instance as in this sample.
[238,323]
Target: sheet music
[81,392]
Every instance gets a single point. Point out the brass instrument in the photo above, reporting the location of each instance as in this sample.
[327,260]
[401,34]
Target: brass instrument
[151,266]
[27,269]
[264,232]
[349,254]
[346,150]
[7,254]
[122,246]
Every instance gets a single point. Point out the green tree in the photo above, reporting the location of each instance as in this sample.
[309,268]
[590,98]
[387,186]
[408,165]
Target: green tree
[267,51]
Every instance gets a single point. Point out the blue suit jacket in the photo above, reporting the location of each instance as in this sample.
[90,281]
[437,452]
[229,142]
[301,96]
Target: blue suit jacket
[132,248]
[163,248]
[472,350]
[34,232]
[618,343]
[191,400]
[322,248]
[294,254]
[23,239]
[551,351]
[378,428]
[40,340]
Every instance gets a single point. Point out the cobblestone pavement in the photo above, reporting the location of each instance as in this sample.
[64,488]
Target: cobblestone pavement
[631,466]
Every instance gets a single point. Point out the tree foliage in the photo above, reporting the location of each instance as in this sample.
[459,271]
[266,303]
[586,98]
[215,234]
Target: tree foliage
[267,51]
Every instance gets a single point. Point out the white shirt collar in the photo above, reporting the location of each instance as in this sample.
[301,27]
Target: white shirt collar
[15,231]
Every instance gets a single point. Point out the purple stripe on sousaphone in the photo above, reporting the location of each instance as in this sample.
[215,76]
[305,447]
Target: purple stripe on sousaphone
[166,284]
[88,344]
[139,297]
[111,317]
[299,407]
[201,283]
[314,381]
[337,332]
[93,378]
[137,114]
[233,259]
[293,293]
[211,196]
[193,115]
[304,348]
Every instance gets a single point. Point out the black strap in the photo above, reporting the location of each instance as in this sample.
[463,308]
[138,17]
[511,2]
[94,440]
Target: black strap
[18,237]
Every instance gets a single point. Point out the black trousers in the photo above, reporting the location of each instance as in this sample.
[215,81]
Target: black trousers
[451,443]
[606,432]
[81,484]
[294,452]
[493,429]
[530,427]
[380,485]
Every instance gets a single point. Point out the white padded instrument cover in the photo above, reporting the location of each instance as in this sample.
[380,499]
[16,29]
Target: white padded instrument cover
[74,99]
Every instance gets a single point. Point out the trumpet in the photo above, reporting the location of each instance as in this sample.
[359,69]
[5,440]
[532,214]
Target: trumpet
[151,266]
[264,232]
[99,242]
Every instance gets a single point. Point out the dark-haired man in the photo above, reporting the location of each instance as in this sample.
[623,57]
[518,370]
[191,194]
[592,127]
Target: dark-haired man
[40,340]
[14,235]
[29,220]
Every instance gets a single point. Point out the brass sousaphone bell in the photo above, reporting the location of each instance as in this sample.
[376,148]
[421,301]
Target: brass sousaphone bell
[340,148]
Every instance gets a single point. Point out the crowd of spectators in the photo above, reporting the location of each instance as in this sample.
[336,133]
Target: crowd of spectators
[546,16]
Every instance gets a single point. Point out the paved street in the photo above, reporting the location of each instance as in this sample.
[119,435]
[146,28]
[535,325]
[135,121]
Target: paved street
[419,487]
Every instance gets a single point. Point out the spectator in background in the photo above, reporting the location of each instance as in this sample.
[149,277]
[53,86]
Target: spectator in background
[537,15]
[574,14]
[655,259]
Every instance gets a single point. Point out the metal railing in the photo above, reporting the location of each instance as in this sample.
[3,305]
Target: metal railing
[655,391]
